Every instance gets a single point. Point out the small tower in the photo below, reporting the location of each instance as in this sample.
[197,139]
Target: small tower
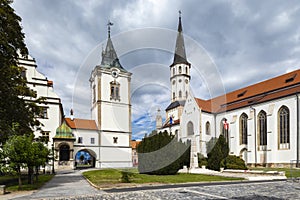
[180,69]
[158,119]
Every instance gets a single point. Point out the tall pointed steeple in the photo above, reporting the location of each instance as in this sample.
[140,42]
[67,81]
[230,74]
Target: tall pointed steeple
[180,56]
[109,55]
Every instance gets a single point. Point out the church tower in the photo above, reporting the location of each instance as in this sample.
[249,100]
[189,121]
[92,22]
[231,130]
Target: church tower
[111,108]
[180,69]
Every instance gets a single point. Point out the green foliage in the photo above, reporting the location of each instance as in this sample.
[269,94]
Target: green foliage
[17,116]
[234,162]
[217,154]
[210,144]
[22,152]
[202,161]
[162,154]
[126,175]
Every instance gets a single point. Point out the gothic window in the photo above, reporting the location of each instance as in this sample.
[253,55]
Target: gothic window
[180,94]
[94,93]
[115,140]
[180,69]
[243,128]
[207,128]
[284,127]
[64,153]
[114,90]
[262,129]
[190,128]
[224,126]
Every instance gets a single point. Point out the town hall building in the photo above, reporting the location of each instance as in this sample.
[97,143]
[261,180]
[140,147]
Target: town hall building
[260,122]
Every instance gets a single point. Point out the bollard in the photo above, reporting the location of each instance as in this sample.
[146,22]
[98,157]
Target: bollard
[2,189]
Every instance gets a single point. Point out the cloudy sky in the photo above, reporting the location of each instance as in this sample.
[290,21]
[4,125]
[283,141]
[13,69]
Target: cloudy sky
[230,44]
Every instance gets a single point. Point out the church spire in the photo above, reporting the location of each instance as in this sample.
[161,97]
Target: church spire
[109,55]
[180,56]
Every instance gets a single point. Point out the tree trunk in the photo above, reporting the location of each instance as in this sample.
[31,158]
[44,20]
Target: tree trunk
[36,173]
[30,175]
[19,177]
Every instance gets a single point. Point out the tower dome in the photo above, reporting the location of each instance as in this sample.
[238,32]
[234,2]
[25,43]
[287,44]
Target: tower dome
[64,131]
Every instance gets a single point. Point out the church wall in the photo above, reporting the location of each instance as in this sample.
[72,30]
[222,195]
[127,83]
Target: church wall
[115,157]
[272,154]
[206,117]
[109,139]
[115,117]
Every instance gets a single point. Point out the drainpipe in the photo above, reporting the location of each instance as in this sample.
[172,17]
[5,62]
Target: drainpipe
[298,130]
[255,146]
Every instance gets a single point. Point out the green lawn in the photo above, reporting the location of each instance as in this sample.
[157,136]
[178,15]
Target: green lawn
[111,177]
[288,172]
[11,182]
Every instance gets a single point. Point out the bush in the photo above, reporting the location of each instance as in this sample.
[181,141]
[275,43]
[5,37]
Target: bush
[162,154]
[234,162]
[217,154]
[202,160]
[126,176]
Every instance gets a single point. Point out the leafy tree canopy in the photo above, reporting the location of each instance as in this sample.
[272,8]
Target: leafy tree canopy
[16,114]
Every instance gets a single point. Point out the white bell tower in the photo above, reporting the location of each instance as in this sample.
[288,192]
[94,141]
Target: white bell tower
[180,69]
[111,108]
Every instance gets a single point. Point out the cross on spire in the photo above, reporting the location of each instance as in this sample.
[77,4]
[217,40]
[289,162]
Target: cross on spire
[109,24]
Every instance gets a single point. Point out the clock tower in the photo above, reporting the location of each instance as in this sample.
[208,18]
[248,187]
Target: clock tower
[111,108]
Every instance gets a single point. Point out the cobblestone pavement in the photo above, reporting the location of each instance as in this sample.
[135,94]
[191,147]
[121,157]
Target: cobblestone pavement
[73,186]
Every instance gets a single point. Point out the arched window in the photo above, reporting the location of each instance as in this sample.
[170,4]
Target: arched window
[186,94]
[64,152]
[173,95]
[262,129]
[179,69]
[190,128]
[243,128]
[284,127]
[186,70]
[224,126]
[173,71]
[207,128]
[180,94]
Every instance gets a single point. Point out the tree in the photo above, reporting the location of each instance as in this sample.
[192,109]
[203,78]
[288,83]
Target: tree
[15,112]
[217,154]
[17,150]
[162,154]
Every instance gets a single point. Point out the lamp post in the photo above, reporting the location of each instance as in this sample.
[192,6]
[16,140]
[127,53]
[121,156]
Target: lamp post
[53,171]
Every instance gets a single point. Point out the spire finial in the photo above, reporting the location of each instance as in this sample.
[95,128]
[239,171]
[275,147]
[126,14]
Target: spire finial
[109,24]
[179,13]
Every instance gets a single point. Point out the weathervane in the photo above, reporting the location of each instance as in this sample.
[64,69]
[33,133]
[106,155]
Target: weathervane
[109,24]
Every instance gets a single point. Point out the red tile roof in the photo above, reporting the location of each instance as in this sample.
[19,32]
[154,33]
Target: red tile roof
[281,86]
[134,143]
[81,124]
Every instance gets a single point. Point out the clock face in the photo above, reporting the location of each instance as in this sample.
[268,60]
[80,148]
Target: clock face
[115,73]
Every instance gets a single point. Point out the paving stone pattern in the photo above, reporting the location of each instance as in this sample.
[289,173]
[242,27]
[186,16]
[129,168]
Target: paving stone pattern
[73,186]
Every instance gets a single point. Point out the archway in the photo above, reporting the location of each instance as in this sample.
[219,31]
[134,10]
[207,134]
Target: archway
[85,158]
[64,152]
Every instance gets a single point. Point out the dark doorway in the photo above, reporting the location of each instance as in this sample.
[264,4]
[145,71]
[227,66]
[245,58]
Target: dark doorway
[64,153]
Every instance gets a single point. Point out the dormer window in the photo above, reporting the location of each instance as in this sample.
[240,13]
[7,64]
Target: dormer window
[290,79]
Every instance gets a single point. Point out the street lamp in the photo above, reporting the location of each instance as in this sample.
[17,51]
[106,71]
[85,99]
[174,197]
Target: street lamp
[53,171]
